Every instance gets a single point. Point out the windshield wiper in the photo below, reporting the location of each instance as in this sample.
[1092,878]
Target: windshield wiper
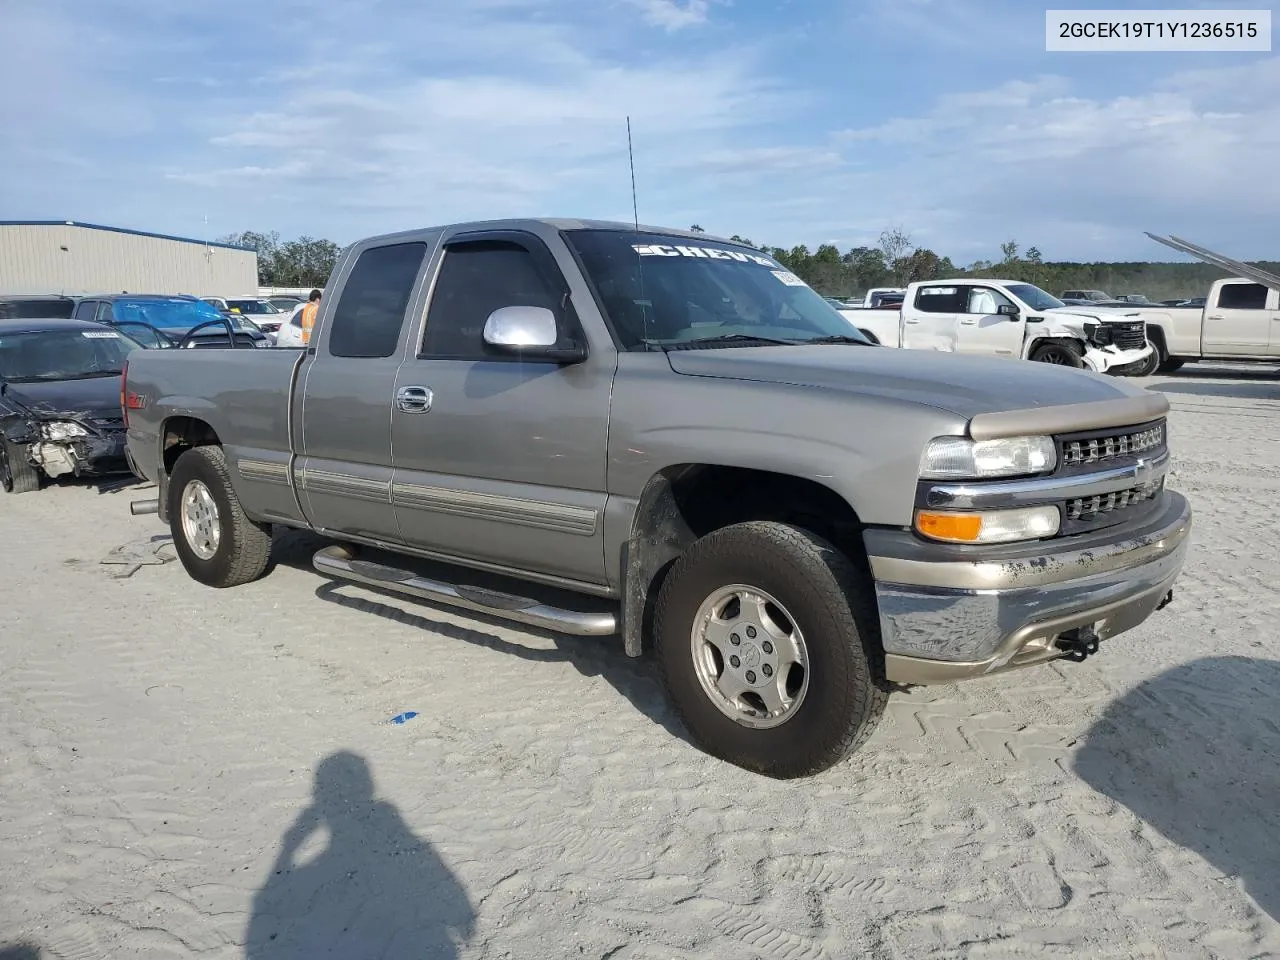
[836,338]
[734,338]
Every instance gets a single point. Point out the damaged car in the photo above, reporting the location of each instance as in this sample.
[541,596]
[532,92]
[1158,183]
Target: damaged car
[60,410]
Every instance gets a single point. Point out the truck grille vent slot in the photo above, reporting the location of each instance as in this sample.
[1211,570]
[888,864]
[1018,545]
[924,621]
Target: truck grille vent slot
[1091,450]
[1088,509]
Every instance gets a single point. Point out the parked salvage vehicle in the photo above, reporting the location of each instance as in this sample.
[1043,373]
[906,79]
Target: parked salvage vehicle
[604,429]
[163,321]
[1007,318]
[60,411]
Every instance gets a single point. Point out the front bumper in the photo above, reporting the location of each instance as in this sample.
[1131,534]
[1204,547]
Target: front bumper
[91,456]
[955,619]
[1102,359]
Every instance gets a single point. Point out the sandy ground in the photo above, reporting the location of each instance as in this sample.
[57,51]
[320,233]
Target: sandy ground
[188,772]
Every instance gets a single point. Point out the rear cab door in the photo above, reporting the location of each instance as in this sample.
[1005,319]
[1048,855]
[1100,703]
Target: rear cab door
[931,314]
[500,461]
[1237,321]
[983,331]
[342,421]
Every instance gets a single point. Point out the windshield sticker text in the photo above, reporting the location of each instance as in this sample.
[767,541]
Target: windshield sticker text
[790,279]
[706,253]
[99,335]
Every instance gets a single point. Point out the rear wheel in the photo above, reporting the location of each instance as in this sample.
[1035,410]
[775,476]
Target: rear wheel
[17,473]
[1065,353]
[218,545]
[765,642]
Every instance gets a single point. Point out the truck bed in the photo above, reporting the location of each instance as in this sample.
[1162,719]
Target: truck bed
[243,394]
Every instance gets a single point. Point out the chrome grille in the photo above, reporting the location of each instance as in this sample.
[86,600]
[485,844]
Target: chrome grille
[1108,505]
[1133,443]
[1129,336]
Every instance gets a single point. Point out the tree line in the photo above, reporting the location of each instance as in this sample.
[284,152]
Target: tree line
[305,262]
[894,261]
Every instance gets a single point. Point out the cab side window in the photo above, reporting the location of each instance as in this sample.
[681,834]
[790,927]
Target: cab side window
[1242,296]
[475,279]
[372,303]
[986,300]
[941,299]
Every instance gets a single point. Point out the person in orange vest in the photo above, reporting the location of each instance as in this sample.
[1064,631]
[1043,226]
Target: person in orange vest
[309,315]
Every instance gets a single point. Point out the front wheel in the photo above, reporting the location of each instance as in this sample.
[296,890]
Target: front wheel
[17,473]
[765,642]
[1171,364]
[1147,366]
[1065,353]
[217,543]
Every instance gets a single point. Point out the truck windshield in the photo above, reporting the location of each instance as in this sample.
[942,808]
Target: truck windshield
[32,356]
[172,315]
[1034,297]
[666,291]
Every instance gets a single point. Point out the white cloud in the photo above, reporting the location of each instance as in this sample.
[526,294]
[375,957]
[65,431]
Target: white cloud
[672,14]
[1083,176]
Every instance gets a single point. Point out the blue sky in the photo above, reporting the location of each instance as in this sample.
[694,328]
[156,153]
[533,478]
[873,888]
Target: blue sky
[787,121]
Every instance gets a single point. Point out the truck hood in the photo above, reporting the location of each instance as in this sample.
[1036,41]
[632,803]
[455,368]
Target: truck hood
[962,385]
[1096,313]
[96,398]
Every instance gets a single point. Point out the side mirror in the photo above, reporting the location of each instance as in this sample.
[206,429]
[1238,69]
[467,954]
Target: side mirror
[1008,310]
[530,332]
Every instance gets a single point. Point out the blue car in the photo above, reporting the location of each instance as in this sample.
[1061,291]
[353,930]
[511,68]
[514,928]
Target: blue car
[158,320]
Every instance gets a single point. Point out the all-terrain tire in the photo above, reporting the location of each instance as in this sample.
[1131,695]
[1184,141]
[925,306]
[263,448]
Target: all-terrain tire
[830,603]
[1064,353]
[243,547]
[18,474]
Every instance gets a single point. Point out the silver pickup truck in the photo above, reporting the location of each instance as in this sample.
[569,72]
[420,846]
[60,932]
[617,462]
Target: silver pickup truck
[676,440]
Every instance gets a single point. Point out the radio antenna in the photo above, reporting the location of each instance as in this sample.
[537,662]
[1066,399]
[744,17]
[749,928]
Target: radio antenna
[631,159]
[635,213]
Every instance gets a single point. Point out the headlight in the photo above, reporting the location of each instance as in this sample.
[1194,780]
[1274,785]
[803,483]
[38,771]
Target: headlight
[994,526]
[959,458]
[1099,334]
[262,343]
[63,430]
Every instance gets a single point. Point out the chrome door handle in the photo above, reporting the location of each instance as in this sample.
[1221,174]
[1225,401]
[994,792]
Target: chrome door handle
[969,323]
[414,399]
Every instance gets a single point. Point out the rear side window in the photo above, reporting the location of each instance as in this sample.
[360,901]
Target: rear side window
[942,299]
[371,306]
[475,280]
[1242,296]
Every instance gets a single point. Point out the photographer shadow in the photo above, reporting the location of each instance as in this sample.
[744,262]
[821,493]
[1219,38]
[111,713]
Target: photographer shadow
[1195,753]
[375,890]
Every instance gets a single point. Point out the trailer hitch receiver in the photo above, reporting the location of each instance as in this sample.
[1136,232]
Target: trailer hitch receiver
[1079,644]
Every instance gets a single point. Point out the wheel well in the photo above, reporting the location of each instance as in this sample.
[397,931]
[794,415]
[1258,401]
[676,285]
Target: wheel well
[1155,335]
[711,497]
[180,434]
[869,335]
[688,501]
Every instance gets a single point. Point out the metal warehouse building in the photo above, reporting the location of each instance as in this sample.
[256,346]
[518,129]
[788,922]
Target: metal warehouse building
[62,256]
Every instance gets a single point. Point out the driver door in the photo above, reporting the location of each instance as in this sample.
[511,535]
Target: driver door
[984,331]
[501,460]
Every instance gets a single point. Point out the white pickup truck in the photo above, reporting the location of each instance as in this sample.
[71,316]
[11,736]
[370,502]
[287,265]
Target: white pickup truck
[1007,318]
[1239,321]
